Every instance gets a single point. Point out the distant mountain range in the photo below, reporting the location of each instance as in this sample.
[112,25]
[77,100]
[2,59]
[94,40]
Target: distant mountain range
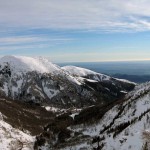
[135,71]
[133,78]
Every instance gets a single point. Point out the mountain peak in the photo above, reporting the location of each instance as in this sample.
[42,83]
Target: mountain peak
[24,64]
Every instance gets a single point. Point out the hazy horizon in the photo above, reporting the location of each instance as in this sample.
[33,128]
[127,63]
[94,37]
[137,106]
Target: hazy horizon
[111,68]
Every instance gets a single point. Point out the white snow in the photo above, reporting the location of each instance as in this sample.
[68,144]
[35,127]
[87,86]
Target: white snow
[131,137]
[21,64]
[82,72]
[126,81]
[11,138]
[40,92]
[73,115]
[5,88]
[124,92]
[53,109]
[16,89]
[81,146]
[81,79]
[73,79]
[25,64]
[49,91]
[78,71]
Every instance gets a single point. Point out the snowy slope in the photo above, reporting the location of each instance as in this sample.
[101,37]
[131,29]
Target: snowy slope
[125,126]
[89,74]
[25,64]
[14,139]
[82,72]
[22,74]
[78,71]
[122,127]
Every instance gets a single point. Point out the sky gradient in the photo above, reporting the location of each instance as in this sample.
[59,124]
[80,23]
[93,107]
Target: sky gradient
[76,30]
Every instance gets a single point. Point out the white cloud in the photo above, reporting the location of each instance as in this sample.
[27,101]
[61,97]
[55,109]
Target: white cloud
[107,15]
[19,39]
[99,57]
[16,41]
[22,47]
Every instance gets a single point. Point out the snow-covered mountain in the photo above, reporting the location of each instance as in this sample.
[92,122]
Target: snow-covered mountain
[125,126]
[40,81]
[81,109]
[89,75]
[82,72]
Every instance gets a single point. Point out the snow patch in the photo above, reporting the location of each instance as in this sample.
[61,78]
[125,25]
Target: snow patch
[11,138]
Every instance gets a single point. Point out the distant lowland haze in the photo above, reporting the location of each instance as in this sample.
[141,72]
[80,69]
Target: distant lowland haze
[136,71]
[130,68]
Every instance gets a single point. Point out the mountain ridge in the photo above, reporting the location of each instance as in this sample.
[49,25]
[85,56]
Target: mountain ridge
[40,81]
[70,107]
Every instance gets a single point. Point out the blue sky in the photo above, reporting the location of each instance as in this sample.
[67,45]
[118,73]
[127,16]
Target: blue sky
[76,31]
